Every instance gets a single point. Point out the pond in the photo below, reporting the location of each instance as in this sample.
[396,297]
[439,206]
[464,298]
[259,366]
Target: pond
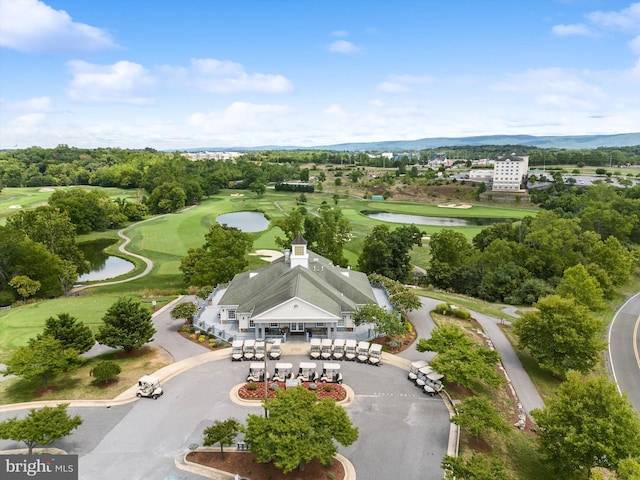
[245,221]
[103,265]
[434,221]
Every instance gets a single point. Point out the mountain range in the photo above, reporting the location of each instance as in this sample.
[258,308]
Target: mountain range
[563,141]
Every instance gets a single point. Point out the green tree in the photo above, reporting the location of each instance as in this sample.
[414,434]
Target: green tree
[185,311]
[561,335]
[43,357]
[290,225]
[586,423]
[629,469]
[615,259]
[258,188]
[166,198]
[476,415]
[220,258]
[576,283]
[127,325]
[223,432]
[105,370]
[386,322]
[71,332]
[450,253]
[460,359]
[24,286]
[298,429]
[327,234]
[386,252]
[476,467]
[41,426]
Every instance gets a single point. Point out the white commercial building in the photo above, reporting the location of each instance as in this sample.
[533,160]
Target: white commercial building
[508,172]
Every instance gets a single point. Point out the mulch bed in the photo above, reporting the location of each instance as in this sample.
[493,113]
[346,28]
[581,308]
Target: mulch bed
[245,465]
[333,391]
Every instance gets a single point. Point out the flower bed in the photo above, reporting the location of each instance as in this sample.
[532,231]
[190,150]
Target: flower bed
[333,391]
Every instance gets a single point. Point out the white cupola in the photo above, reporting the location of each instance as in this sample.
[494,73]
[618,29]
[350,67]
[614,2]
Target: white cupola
[299,254]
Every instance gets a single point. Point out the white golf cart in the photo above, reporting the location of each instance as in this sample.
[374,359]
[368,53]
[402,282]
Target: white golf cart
[375,354]
[413,369]
[149,386]
[363,352]
[432,387]
[283,372]
[421,379]
[260,351]
[331,373]
[326,348]
[338,349]
[307,372]
[257,372]
[249,350]
[314,349]
[350,351]
[276,350]
[236,350]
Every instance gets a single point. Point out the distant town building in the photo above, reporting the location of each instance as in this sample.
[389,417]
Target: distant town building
[508,172]
[212,155]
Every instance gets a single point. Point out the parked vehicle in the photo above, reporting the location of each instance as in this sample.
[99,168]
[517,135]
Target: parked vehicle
[413,369]
[249,350]
[149,386]
[375,354]
[432,387]
[326,348]
[307,372]
[363,352]
[421,379]
[331,373]
[276,350]
[350,350]
[237,350]
[260,350]
[314,349]
[338,348]
[257,372]
[282,372]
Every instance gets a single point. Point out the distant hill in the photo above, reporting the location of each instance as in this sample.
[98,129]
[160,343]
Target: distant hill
[564,141]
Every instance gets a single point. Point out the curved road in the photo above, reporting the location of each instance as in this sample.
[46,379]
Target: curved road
[624,349]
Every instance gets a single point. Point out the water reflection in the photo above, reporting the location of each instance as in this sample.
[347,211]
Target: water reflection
[245,221]
[103,265]
[434,221]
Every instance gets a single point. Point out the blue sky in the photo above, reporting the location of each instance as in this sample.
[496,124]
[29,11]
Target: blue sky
[199,73]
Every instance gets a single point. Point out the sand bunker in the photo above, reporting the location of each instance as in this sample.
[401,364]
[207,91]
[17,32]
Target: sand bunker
[237,195]
[47,190]
[15,206]
[268,255]
[455,205]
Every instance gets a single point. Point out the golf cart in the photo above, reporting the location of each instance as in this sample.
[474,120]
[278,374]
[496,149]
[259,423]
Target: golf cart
[326,348]
[283,372]
[350,352]
[331,373]
[338,349]
[413,369]
[249,350]
[260,350]
[275,351]
[314,351]
[432,387]
[236,350]
[421,379]
[307,372]
[149,386]
[257,372]
[363,352]
[375,354]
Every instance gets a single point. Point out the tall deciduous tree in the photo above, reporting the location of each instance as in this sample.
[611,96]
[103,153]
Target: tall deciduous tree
[450,252]
[184,311]
[41,426]
[127,325]
[290,225]
[561,335]
[328,233]
[42,357]
[576,283]
[223,432]
[476,467]
[460,359]
[71,332]
[219,259]
[586,423]
[476,415]
[386,252]
[388,323]
[298,429]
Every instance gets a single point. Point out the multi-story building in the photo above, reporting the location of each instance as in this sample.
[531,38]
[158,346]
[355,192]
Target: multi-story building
[508,172]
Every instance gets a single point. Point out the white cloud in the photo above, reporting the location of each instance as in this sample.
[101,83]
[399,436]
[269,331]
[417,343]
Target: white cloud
[121,82]
[635,45]
[33,26]
[403,83]
[40,104]
[339,33]
[223,76]
[574,29]
[241,118]
[336,111]
[627,19]
[343,46]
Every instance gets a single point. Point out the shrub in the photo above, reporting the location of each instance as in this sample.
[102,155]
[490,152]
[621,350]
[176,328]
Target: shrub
[462,313]
[6,298]
[443,309]
[105,370]
[202,338]
[252,387]
[192,336]
[328,388]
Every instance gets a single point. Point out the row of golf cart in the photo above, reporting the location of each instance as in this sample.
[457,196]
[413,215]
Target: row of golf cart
[425,377]
[340,349]
[307,372]
[255,350]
